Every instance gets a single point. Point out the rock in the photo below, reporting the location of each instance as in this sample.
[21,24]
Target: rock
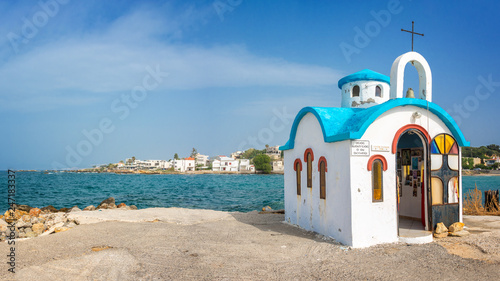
[441,235]
[38,228]
[26,218]
[60,229]
[460,233]
[441,228]
[89,208]
[3,228]
[456,227]
[23,224]
[133,207]
[70,225]
[107,203]
[35,212]
[24,208]
[75,209]
[49,209]
[65,210]
[121,205]
[11,216]
[31,234]
[267,208]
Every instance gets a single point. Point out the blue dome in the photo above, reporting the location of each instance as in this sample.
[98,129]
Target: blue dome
[365,74]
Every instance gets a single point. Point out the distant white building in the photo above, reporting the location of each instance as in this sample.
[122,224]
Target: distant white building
[201,160]
[224,163]
[216,165]
[237,154]
[278,166]
[273,152]
[244,165]
[184,165]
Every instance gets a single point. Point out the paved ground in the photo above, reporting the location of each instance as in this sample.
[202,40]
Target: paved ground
[206,245]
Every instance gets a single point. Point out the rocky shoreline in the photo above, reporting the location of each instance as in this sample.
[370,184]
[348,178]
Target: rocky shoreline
[30,222]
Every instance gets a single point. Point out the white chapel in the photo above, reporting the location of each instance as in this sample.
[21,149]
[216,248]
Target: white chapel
[387,160]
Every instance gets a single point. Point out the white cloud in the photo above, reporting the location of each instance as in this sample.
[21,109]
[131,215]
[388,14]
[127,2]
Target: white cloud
[114,59]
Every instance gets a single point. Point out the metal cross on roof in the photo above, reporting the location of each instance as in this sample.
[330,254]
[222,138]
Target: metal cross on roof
[412,32]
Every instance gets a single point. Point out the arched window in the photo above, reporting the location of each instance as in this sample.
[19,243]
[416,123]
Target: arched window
[444,170]
[308,158]
[297,166]
[377,182]
[378,91]
[355,91]
[322,168]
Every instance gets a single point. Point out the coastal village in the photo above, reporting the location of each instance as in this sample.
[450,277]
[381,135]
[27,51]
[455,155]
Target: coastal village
[268,160]
[484,159]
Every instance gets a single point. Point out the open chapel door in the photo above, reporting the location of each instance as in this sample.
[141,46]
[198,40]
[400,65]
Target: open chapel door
[444,180]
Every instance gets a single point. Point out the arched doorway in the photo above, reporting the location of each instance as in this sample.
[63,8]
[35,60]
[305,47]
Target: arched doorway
[412,181]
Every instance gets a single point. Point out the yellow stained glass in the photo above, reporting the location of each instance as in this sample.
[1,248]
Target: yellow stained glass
[449,143]
[439,139]
[437,191]
[377,180]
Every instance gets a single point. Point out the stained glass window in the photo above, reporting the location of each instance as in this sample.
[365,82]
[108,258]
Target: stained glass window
[377,181]
[444,144]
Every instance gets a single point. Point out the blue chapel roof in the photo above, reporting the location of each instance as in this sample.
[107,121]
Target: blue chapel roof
[364,74]
[340,123]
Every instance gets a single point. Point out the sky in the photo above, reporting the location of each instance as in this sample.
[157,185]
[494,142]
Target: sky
[95,82]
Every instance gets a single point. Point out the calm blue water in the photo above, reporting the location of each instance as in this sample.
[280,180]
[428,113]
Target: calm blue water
[242,193]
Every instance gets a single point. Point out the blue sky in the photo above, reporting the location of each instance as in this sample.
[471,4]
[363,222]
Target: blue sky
[93,82]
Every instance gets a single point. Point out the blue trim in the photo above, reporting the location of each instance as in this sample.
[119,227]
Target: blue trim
[338,124]
[365,74]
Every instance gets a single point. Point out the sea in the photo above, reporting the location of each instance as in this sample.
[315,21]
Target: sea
[243,193]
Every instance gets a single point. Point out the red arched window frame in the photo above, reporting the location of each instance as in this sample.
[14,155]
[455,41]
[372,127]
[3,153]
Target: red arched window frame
[309,158]
[322,169]
[373,158]
[322,159]
[297,166]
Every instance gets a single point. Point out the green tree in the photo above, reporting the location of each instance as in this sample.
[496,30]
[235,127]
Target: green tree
[494,147]
[176,157]
[495,166]
[133,159]
[467,163]
[262,163]
[194,153]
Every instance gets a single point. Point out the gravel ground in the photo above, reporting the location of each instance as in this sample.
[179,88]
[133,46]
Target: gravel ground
[238,246]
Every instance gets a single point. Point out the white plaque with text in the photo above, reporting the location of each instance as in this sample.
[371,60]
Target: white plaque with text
[360,148]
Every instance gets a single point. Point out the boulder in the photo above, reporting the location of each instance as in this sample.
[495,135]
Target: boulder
[121,205]
[107,204]
[456,227]
[460,233]
[38,228]
[65,210]
[441,235]
[31,234]
[24,208]
[26,218]
[35,212]
[23,224]
[133,207]
[75,209]
[441,228]
[11,216]
[267,208]
[60,229]
[89,208]
[49,209]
